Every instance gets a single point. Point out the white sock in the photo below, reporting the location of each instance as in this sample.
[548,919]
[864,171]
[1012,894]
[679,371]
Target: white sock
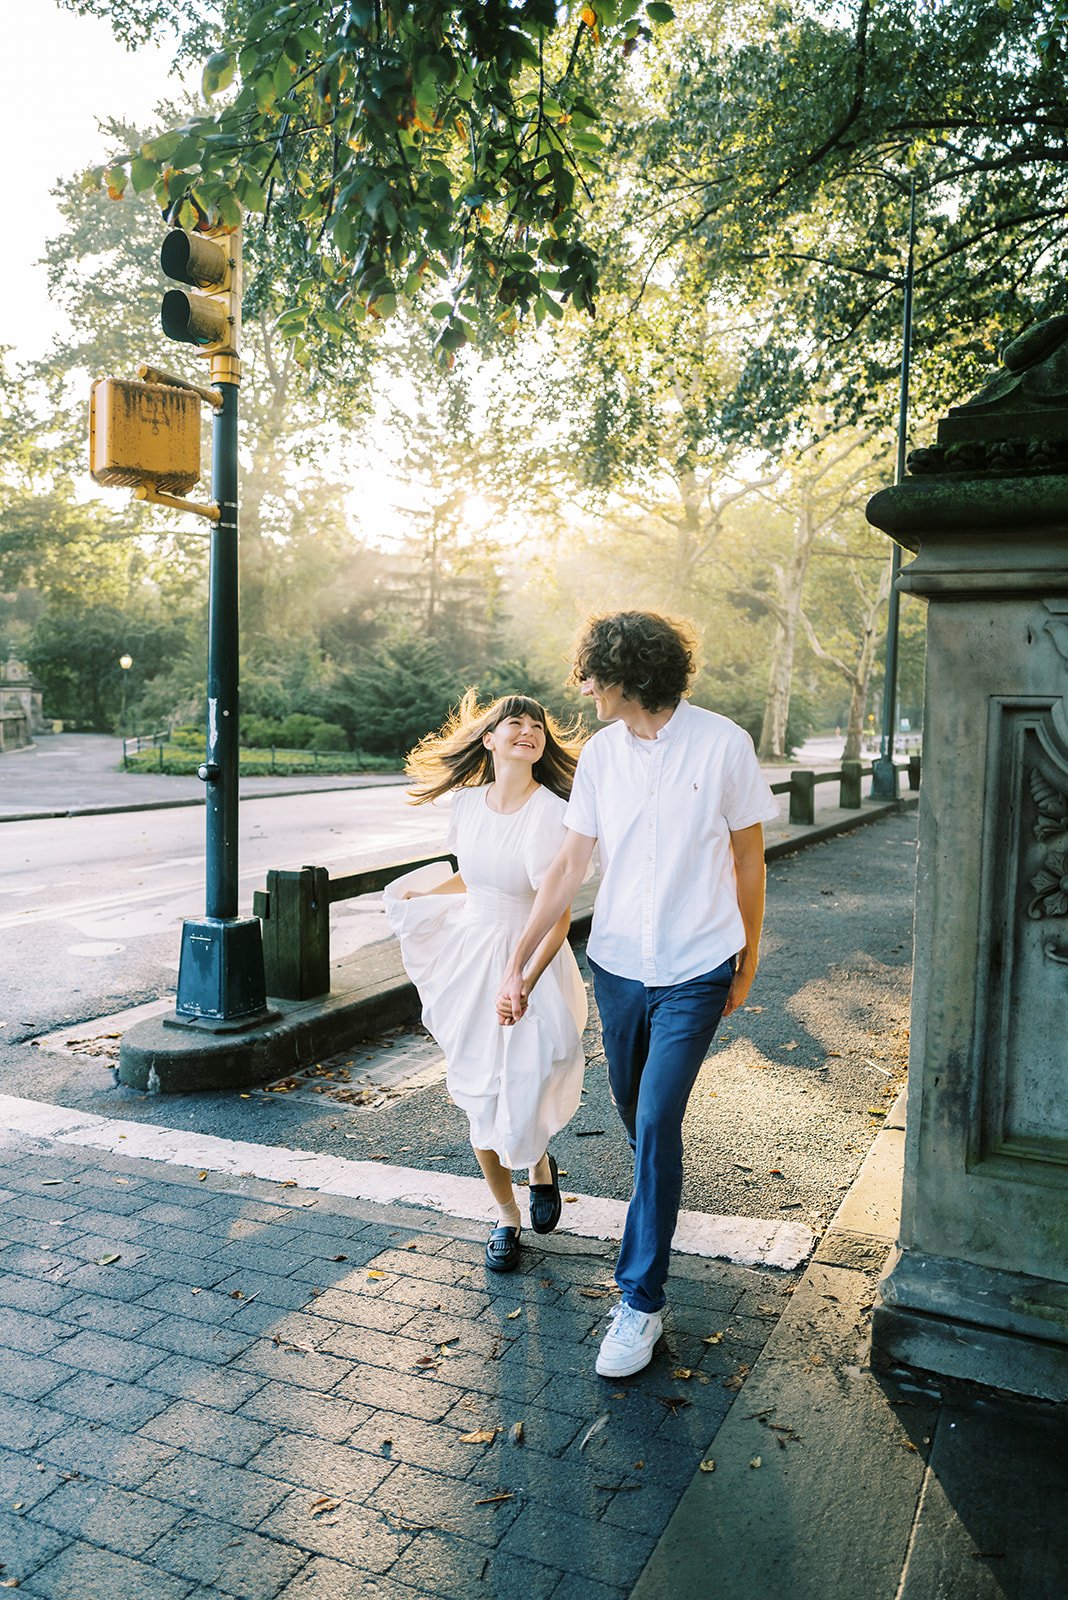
[508,1216]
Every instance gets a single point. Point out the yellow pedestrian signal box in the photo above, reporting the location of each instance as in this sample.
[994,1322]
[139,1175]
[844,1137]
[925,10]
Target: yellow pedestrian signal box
[144,433]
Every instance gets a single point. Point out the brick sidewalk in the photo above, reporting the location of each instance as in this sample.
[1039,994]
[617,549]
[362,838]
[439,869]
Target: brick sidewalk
[227,1387]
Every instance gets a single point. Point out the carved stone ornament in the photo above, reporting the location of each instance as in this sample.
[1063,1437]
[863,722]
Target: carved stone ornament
[1018,422]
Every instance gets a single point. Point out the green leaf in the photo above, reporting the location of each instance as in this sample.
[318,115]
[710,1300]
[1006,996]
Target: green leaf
[656,11]
[143,174]
[218,73]
[442,308]
[163,148]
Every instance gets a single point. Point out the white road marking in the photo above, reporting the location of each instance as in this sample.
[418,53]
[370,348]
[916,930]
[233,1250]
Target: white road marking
[747,1241]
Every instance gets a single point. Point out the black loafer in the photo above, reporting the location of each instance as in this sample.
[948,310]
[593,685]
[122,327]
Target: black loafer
[545,1202]
[502,1250]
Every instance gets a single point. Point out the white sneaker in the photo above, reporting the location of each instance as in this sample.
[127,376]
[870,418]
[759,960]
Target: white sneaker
[627,1347]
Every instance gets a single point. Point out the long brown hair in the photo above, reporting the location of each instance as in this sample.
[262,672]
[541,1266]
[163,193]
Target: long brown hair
[456,758]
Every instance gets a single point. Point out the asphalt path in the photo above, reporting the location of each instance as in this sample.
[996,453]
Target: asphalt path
[784,1110]
[91,907]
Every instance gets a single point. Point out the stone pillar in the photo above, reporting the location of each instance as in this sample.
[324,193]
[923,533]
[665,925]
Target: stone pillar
[978,1288]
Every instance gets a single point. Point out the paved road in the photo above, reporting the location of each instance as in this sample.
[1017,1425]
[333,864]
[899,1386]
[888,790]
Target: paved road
[91,907]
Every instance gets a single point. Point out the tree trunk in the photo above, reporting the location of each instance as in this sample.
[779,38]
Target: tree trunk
[772,745]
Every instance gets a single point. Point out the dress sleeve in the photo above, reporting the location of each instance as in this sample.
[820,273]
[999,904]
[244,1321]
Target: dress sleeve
[458,799]
[544,838]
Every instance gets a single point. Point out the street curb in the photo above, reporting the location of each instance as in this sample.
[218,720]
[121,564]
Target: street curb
[780,1513]
[161,1058]
[374,993]
[373,781]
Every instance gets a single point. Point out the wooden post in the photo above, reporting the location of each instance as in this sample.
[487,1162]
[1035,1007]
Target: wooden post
[849,789]
[295,913]
[803,797]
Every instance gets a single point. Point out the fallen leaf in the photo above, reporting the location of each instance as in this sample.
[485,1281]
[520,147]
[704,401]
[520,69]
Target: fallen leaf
[324,1503]
[569,1199]
[791,1045]
[878,1111]
[639,1466]
[289,1183]
[236,1294]
[775,1172]
[708,1466]
[766,1311]
[594,1294]
[516,1313]
[121,1180]
[737,1378]
[673,1402]
[713,1338]
[480,1436]
[194,1291]
[376,1274]
[339,1258]
[495,1499]
[426,1361]
[516,1433]
[754,1008]
[682,1372]
[106,1261]
[201,1176]
[413,1245]
[756,1462]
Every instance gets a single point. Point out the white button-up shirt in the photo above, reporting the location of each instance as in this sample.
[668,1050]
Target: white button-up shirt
[662,811]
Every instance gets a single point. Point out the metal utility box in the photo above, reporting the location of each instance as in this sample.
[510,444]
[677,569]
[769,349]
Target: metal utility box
[144,433]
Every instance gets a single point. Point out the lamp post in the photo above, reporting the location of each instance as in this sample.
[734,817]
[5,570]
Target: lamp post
[884,772]
[125,662]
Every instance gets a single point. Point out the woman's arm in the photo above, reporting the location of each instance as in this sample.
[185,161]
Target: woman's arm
[551,904]
[453,885]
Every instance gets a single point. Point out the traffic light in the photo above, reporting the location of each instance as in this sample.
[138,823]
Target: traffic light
[210,316]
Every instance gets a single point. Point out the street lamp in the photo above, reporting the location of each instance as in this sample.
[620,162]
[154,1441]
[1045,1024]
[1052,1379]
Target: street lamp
[125,662]
[884,772]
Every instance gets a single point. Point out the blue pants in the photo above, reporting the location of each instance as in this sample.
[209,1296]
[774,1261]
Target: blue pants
[655,1040]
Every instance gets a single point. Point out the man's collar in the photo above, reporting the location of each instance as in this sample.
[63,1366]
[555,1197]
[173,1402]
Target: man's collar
[671,729]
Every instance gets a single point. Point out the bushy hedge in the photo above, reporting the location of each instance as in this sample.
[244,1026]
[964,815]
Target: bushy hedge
[298,731]
[180,762]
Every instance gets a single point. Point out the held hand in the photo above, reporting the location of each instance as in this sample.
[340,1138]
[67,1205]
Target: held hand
[512,1000]
[741,984]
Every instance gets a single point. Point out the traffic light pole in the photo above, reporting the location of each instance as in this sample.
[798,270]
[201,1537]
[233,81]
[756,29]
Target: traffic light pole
[220,772]
[220,977]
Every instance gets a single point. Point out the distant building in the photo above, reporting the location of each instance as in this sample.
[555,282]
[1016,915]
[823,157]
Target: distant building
[21,710]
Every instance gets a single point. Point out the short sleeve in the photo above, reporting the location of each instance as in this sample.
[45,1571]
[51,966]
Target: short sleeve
[544,838]
[581,813]
[458,799]
[747,797]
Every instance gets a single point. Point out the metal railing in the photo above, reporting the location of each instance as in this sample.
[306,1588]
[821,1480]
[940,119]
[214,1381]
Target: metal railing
[295,912]
[801,787]
[294,908]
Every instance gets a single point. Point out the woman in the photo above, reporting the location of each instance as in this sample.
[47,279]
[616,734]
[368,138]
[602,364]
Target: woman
[509,768]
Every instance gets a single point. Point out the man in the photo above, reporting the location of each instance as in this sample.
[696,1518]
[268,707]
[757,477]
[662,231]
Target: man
[675,799]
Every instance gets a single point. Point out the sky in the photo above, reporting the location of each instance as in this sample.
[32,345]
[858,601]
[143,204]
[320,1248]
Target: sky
[59,75]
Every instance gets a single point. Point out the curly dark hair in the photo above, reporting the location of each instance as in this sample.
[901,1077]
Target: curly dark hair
[456,758]
[649,657]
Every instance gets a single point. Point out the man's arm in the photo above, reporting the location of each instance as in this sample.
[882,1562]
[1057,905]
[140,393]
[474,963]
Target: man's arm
[747,846]
[554,897]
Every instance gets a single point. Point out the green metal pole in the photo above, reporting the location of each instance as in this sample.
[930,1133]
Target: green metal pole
[223,731]
[884,785]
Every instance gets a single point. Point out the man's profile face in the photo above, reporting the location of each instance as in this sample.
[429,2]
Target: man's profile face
[608,698]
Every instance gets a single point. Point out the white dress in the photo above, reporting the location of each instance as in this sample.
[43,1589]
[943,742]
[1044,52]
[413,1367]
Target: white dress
[518,1085]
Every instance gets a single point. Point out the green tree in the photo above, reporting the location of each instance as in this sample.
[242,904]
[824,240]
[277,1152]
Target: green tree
[397,148]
